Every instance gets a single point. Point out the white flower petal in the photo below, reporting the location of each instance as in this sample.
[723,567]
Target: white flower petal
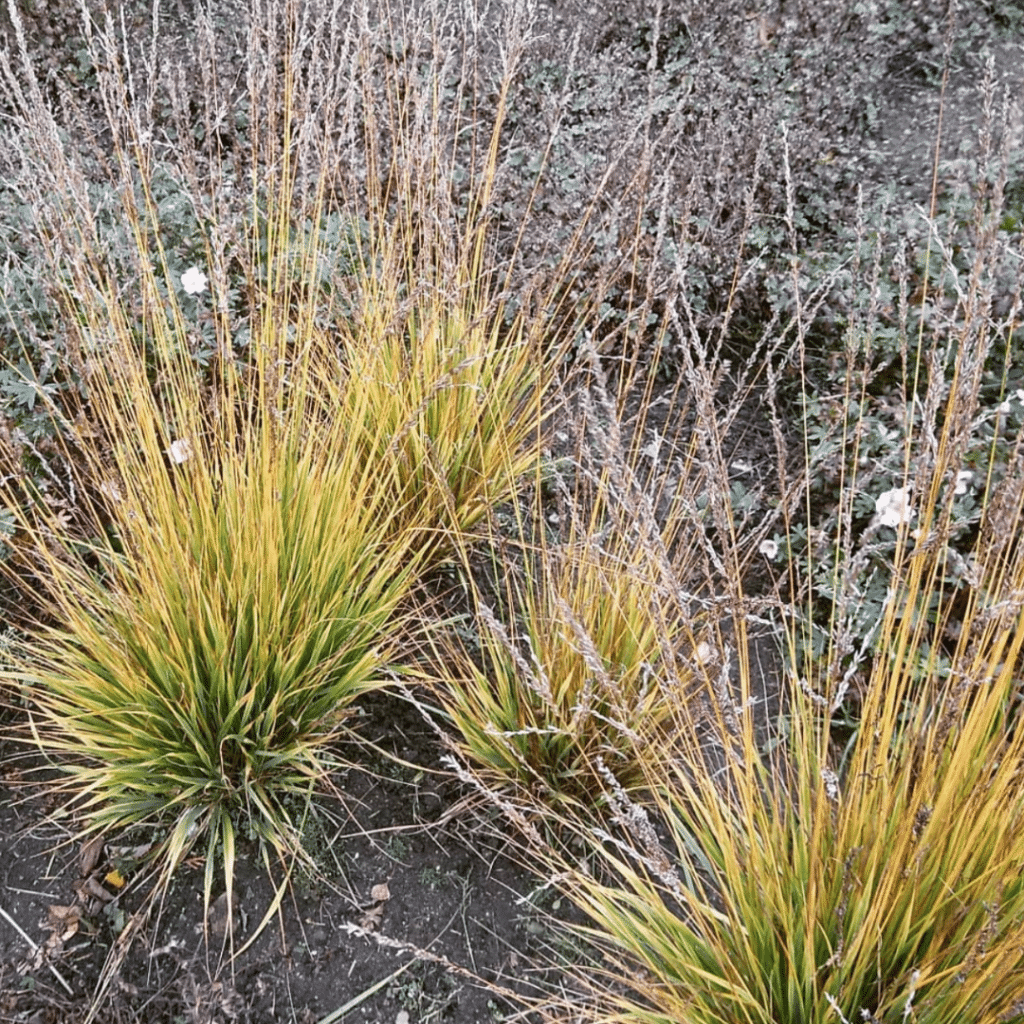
[893,507]
[180,451]
[704,653]
[194,281]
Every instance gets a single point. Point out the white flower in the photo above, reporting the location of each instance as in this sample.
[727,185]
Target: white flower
[180,451]
[1004,408]
[193,281]
[963,481]
[893,507]
[1019,393]
[769,549]
[704,653]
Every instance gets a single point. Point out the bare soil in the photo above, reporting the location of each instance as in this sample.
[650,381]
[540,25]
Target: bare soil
[417,901]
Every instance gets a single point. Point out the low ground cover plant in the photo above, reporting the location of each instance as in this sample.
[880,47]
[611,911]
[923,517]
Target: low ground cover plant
[920,412]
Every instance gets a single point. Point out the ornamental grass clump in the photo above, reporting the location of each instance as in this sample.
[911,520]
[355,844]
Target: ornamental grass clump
[583,643]
[776,890]
[571,675]
[450,389]
[232,586]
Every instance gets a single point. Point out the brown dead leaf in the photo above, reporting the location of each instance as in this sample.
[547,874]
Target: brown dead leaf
[371,919]
[89,855]
[373,915]
[92,888]
[62,921]
[129,855]
[62,924]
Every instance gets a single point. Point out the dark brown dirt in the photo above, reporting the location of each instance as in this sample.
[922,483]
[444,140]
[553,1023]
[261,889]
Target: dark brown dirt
[973,105]
[421,910]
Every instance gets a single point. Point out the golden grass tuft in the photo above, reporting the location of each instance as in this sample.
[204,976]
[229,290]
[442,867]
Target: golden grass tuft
[450,382]
[782,891]
[570,670]
[239,588]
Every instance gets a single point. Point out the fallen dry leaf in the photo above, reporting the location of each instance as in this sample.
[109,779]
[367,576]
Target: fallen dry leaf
[62,924]
[62,921]
[371,919]
[91,888]
[130,854]
[89,855]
